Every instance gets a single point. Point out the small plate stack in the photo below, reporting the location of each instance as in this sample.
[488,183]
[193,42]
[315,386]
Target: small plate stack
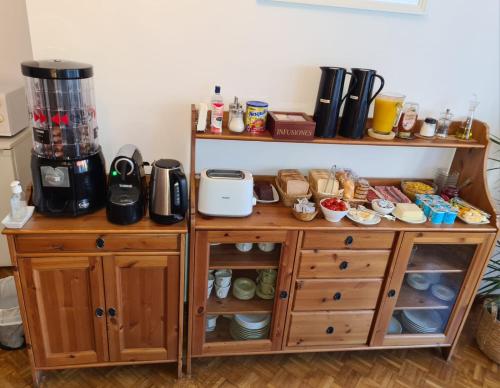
[250,326]
[421,321]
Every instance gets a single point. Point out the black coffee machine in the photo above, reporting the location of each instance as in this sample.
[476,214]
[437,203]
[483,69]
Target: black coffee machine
[126,201]
[67,164]
[356,109]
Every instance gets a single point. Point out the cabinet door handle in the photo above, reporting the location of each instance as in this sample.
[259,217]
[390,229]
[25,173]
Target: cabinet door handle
[283,294]
[99,243]
[112,312]
[337,296]
[348,240]
[99,312]
[330,330]
[343,266]
[391,293]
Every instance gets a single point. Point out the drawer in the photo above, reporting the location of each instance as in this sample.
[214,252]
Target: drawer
[97,243]
[343,264]
[348,240]
[340,294]
[330,328]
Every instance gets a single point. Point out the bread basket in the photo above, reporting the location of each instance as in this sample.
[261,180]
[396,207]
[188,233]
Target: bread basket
[289,200]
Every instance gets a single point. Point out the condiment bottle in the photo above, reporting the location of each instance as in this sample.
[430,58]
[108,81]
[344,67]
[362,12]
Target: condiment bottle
[408,120]
[18,207]
[236,123]
[464,132]
[428,128]
[444,124]
[217,111]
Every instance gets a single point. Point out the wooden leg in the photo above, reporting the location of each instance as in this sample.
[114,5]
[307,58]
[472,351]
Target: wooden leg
[179,369]
[37,377]
[188,365]
[448,352]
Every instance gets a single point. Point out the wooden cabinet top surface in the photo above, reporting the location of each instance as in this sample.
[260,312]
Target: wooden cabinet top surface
[92,223]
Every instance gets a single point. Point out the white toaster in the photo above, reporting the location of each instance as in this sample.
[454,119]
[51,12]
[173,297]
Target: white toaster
[226,193]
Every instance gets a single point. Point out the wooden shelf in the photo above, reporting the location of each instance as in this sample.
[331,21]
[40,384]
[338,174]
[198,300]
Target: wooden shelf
[450,142]
[231,305]
[411,299]
[227,256]
[437,258]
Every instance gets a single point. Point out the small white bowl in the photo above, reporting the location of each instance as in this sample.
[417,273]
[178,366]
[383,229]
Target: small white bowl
[382,210]
[332,215]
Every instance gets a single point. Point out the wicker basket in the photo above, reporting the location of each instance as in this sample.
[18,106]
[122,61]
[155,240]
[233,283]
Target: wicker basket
[304,216]
[488,331]
[289,200]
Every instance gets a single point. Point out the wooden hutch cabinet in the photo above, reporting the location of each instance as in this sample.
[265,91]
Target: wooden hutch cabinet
[339,285]
[97,294]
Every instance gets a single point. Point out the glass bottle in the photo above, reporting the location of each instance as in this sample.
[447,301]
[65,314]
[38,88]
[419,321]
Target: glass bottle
[444,124]
[464,132]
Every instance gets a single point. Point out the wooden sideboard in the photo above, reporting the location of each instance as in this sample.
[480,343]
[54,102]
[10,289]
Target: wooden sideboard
[97,294]
[340,285]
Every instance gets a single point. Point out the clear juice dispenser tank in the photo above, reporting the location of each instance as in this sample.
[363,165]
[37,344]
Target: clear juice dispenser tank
[60,96]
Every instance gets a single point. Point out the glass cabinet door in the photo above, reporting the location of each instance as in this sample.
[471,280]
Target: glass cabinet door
[433,281]
[241,290]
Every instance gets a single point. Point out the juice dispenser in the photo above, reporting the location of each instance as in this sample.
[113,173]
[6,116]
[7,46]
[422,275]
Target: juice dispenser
[67,163]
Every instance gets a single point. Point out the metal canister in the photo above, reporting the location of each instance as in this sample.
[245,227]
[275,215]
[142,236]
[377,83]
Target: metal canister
[255,116]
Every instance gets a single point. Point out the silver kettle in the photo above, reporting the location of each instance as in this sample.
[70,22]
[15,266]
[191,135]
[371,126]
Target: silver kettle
[168,192]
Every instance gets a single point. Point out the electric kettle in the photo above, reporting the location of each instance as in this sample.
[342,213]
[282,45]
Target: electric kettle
[168,192]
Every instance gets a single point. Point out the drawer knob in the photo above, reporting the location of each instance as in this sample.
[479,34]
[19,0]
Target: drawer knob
[99,243]
[343,266]
[330,330]
[391,293]
[337,296]
[283,294]
[99,312]
[112,312]
[348,240]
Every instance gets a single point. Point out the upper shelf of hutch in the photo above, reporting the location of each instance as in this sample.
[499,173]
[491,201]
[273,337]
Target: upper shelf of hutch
[479,130]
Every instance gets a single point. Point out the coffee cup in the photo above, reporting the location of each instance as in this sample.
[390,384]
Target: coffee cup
[267,276]
[222,291]
[266,246]
[267,289]
[244,247]
[211,322]
[223,277]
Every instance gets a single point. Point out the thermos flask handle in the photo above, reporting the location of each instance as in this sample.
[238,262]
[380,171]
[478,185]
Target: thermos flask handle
[379,89]
[351,88]
[183,191]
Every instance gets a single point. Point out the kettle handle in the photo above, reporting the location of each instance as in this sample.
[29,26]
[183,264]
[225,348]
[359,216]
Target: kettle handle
[179,176]
[379,89]
[351,88]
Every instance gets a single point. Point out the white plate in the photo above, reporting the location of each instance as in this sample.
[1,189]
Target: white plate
[394,327]
[474,223]
[418,281]
[443,292]
[276,196]
[252,321]
[374,221]
[421,221]
[425,320]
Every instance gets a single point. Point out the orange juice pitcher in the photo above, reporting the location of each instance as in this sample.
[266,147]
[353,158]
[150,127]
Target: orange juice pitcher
[386,115]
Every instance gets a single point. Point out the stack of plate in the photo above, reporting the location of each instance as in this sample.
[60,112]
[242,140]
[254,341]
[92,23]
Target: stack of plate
[421,321]
[394,326]
[250,326]
[418,281]
[443,292]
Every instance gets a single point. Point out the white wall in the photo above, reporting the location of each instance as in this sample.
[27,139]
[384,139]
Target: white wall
[15,44]
[153,58]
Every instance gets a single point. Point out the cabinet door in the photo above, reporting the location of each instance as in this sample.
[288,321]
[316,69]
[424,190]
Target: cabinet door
[433,282]
[241,321]
[64,299]
[142,307]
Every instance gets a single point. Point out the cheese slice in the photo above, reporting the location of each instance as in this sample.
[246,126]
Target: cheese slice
[408,212]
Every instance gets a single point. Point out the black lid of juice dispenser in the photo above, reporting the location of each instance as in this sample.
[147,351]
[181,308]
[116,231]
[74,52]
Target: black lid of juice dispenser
[56,69]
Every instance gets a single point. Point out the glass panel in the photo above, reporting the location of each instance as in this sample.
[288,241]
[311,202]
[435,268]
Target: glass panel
[241,291]
[430,287]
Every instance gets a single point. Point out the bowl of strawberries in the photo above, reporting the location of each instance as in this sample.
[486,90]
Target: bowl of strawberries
[334,209]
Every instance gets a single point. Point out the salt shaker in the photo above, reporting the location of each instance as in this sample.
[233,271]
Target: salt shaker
[236,124]
[428,128]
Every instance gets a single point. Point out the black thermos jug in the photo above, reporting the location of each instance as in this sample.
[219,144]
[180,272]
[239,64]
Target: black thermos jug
[329,100]
[358,103]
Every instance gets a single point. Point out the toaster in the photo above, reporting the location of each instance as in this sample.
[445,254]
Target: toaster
[226,193]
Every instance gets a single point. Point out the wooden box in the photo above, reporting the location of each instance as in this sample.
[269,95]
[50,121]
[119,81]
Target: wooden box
[291,125]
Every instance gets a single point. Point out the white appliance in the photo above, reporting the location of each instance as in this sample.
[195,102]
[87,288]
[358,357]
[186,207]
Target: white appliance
[13,109]
[226,193]
[15,154]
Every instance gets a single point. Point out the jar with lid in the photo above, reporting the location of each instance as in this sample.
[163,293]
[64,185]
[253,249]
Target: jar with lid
[444,124]
[428,128]
[408,120]
[236,113]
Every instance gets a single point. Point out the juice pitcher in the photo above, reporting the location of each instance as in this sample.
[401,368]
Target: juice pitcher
[353,120]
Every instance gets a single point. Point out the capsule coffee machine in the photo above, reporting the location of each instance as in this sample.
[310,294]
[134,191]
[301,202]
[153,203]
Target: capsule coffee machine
[67,163]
